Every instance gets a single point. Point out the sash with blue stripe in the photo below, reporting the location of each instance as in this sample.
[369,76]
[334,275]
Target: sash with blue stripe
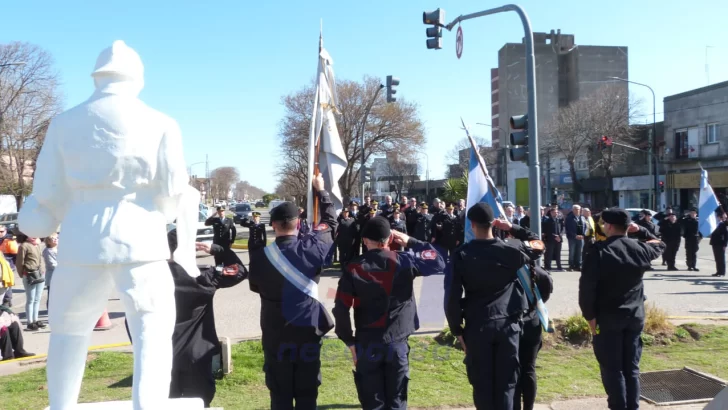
[290,272]
[534,297]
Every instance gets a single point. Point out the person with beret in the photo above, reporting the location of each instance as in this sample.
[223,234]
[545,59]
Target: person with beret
[421,229]
[612,300]
[194,341]
[346,234]
[646,222]
[292,318]
[257,237]
[719,241]
[379,286]
[670,232]
[692,236]
[397,224]
[485,269]
[224,231]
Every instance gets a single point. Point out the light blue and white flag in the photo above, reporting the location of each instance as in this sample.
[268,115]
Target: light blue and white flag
[480,185]
[707,204]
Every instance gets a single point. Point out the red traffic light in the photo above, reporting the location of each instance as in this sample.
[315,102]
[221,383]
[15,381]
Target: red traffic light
[662,183]
[606,141]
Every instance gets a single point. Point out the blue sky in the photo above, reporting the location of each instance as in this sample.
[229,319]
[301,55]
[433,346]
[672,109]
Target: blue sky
[220,68]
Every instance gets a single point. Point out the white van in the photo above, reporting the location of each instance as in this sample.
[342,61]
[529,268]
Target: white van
[273,204]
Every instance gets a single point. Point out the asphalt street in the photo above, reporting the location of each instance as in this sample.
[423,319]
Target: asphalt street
[682,293]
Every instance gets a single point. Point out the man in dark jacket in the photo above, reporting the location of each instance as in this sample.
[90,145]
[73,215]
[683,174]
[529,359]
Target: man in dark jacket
[670,232]
[422,226]
[553,235]
[379,287]
[719,241]
[692,236]
[224,231]
[195,342]
[575,230]
[292,319]
[492,311]
[346,233]
[612,300]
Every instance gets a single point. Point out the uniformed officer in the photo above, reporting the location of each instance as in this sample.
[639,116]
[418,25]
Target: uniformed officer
[719,241]
[303,225]
[390,215]
[422,224]
[692,236]
[379,286]
[346,235]
[224,231]
[436,225]
[410,215]
[257,237]
[397,224]
[530,342]
[611,297]
[451,231]
[646,222]
[354,213]
[670,233]
[492,309]
[292,319]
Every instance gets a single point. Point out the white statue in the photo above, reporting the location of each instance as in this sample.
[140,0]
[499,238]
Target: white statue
[112,172]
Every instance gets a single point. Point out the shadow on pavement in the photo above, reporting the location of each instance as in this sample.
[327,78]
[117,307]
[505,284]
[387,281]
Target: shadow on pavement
[126,382]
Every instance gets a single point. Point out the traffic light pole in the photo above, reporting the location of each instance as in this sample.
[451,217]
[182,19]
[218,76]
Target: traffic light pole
[361,133]
[534,166]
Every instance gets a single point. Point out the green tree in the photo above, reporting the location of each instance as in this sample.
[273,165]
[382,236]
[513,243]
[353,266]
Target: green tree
[269,197]
[456,188]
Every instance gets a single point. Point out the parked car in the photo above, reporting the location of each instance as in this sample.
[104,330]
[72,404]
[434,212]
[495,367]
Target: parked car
[242,211]
[260,204]
[10,220]
[204,233]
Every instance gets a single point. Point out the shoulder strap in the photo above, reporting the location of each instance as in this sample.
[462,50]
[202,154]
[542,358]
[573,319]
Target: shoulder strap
[290,272]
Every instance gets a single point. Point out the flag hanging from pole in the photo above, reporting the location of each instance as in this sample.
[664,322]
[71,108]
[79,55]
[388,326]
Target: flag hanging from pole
[480,185]
[707,205]
[325,135]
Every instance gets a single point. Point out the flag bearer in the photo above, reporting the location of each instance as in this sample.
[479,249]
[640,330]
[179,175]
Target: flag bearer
[257,235]
[612,300]
[493,312]
[292,319]
[379,286]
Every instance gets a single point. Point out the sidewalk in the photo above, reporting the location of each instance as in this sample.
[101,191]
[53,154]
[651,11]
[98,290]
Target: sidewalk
[600,404]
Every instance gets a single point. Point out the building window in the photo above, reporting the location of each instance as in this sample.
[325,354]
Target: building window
[712,134]
[582,163]
[681,144]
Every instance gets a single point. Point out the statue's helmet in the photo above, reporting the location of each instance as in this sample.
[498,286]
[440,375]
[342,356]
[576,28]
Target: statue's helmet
[119,60]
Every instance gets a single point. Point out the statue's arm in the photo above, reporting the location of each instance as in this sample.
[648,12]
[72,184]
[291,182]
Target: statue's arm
[172,170]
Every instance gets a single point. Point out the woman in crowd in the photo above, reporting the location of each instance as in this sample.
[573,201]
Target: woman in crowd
[28,266]
[50,254]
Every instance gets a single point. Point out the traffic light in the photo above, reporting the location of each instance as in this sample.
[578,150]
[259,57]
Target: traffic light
[662,186]
[519,138]
[392,83]
[367,174]
[605,142]
[434,34]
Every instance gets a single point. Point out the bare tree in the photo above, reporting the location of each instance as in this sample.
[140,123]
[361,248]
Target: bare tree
[290,189]
[29,99]
[401,174]
[243,189]
[221,180]
[458,155]
[578,127]
[389,127]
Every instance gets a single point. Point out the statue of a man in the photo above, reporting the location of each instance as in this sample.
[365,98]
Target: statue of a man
[112,172]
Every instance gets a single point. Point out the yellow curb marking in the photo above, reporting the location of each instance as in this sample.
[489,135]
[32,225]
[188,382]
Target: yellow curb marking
[40,356]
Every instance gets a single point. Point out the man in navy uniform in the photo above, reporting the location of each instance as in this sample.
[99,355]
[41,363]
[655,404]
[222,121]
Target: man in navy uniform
[379,286]
[692,236]
[612,300]
[224,231]
[397,224]
[670,232]
[292,318]
[421,229]
[718,241]
[257,238]
[492,310]
[346,235]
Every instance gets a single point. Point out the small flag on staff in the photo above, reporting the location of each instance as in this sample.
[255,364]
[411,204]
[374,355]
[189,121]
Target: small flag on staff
[707,205]
[480,185]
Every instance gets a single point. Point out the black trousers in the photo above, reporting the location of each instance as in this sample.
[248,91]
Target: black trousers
[691,251]
[382,375]
[344,254]
[11,341]
[719,254]
[671,252]
[528,348]
[355,250]
[618,351]
[553,253]
[194,381]
[492,362]
[293,373]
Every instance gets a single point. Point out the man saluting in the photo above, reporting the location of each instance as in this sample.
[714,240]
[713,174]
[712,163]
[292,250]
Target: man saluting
[286,274]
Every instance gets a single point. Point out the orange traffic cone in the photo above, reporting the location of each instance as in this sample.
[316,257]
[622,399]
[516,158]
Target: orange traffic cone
[104,322]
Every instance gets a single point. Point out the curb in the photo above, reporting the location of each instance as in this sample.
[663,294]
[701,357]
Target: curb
[239,246]
[42,356]
[698,317]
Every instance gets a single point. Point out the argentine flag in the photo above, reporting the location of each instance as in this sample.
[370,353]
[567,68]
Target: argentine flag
[707,204]
[480,188]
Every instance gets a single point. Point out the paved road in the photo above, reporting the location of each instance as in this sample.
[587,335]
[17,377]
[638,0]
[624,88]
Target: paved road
[237,309]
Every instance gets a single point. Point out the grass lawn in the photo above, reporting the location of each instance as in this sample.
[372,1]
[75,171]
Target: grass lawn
[438,374]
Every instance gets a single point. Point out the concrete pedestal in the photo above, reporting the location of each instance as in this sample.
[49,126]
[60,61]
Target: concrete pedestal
[176,404]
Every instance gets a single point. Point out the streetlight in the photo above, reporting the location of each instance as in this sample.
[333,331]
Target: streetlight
[653,182]
[427,177]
